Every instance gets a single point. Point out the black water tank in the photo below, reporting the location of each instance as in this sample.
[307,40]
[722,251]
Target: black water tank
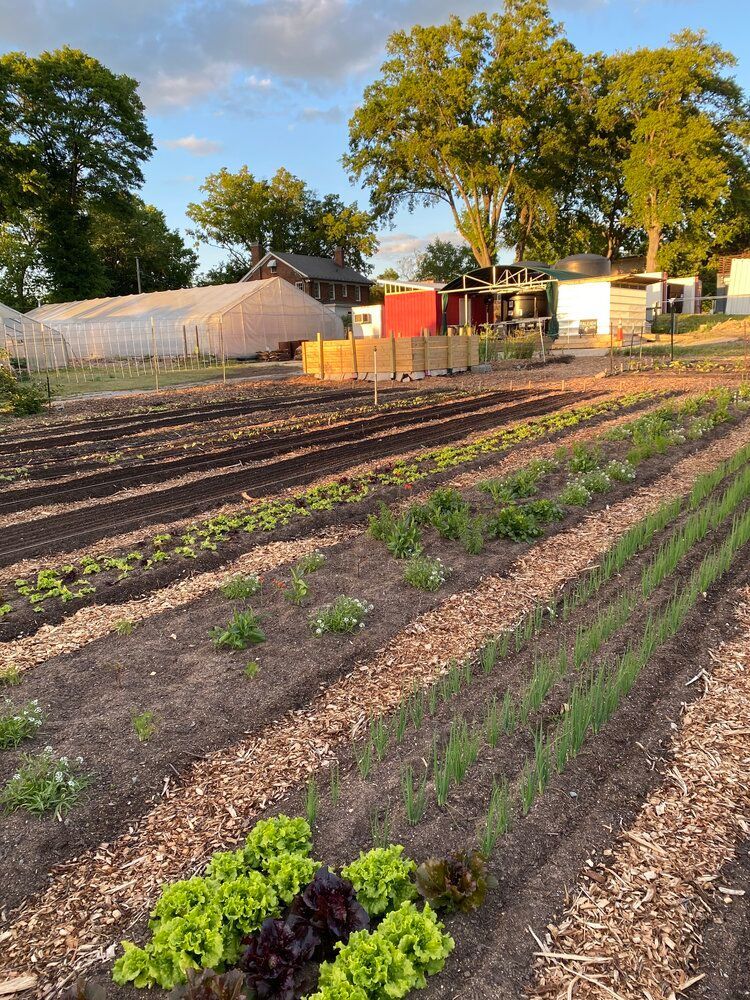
[589,265]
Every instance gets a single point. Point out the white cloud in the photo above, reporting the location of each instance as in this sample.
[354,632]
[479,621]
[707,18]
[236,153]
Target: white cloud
[193,145]
[325,116]
[258,83]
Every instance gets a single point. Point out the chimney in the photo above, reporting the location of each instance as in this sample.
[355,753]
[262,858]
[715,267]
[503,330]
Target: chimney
[338,256]
[256,252]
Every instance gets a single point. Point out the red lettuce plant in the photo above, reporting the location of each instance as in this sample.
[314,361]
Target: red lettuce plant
[458,882]
[275,958]
[331,906]
[210,985]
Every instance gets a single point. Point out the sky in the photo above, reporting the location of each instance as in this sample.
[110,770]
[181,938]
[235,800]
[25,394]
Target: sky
[272,83]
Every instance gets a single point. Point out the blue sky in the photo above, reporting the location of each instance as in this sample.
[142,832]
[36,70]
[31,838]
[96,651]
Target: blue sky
[271,83]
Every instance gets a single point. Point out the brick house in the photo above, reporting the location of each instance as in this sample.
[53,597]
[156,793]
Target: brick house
[329,280]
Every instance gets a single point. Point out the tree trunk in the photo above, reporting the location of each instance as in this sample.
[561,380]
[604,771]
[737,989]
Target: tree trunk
[654,239]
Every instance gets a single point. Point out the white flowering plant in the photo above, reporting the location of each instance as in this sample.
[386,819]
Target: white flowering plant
[426,573]
[44,783]
[17,724]
[344,615]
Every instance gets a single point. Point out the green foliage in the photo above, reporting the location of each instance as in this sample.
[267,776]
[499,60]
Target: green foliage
[440,260]
[199,923]
[18,724]
[240,587]
[382,878]
[282,213]
[343,616]
[21,398]
[242,630]
[575,494]
[454,88]
[385,964]
[144,725]
[94,120]
[514,522]
[44,783]
[10,675]
[298,589]
[425,573]
[311,563]
[585,458]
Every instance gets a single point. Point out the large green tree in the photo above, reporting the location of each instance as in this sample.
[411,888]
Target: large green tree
[140,231]
[440,260]
[688,126]
[72,141]
[466,112]
[281,213]
[23,279]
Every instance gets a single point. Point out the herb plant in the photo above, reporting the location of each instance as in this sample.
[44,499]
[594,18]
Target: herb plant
[18,724]
[344,615]
[241,586]
[44,783]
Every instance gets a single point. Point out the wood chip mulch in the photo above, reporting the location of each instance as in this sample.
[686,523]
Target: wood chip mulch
[97,620]
[634,930]
[93,900]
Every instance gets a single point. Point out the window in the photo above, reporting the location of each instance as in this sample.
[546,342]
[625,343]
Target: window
[333,292]
[317,289]
[358,293]
[364,319]
[300,285]
[344,292]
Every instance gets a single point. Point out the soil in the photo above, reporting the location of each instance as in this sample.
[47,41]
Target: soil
[725,955]
[111,590]
[106,482]
[85,526]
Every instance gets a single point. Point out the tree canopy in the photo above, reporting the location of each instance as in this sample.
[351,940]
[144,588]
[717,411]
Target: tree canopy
[440,260]
[465,112]
[72,140]
[281,213]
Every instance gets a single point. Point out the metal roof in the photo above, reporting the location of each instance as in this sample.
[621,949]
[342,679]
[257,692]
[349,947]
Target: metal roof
[507,277]
[318,268]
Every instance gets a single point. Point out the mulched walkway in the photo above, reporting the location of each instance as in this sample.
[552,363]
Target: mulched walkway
[635,928]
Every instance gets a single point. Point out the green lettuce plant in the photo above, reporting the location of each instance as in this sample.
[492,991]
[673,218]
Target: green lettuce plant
[382,878]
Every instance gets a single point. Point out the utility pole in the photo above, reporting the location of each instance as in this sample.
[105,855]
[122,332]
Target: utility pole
[138,273]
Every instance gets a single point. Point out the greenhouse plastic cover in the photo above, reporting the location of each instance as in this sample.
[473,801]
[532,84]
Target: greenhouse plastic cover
[237,319]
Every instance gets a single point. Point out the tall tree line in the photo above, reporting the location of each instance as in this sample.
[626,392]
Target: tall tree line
[532,144]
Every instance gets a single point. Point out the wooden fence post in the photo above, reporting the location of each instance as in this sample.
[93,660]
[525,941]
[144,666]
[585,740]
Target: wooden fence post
[449,353]
[426,342]
[321,357]
[350,336]
[393,357]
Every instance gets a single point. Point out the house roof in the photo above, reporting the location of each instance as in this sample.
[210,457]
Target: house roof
[318,268]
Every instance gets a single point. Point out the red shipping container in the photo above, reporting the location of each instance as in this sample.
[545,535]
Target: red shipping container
[409,314]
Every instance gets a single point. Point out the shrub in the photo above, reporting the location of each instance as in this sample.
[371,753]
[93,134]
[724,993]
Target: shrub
[382,879]
[405,539]
[425,573]
[17,724]
[514,522]
[21,398]
[458,882]
[243,630]
[44,783]
[241,587]
[344,615]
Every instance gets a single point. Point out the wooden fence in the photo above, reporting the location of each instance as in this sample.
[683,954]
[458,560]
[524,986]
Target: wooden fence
[391,357]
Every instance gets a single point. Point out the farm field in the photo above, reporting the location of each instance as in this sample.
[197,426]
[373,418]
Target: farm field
[493,633]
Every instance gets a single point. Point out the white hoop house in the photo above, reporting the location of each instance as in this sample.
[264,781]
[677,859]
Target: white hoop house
[234,321]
